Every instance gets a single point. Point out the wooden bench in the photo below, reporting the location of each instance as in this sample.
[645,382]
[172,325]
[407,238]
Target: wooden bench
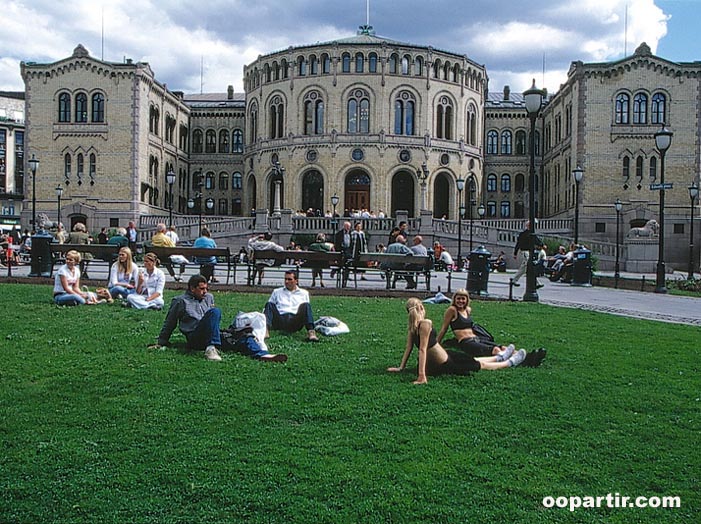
[291,259]
[191,253]
[394,266]
[100,252]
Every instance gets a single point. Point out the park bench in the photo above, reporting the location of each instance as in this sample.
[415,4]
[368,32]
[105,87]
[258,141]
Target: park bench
[223,254]
[395,266]
[106,253]
[290,259]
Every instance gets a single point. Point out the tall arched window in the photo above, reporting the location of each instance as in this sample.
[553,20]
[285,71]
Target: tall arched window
[653,169]
[393,64]
[197,141]
[301,66]
[657,110]
[345,62]
[236,180]
[237,141]
[640,108]
[359,112]
[313,191]
[406,59]
[81,107]
[209,181]
[67,167]
[520,183]
[626,171]
[521,143]
[253,119]
[492,142]
[64,107]
[505,209]
[622,109]
[277,117]
[506,183]
[404,110]
[92,167]
[359,63]
[98,107]
[224,141]
[313,65]
[506,142]
[210,141]
[418,66]
[471,124]
[491,182]
[325,64]
[313,114]
[444,118]
[372,62]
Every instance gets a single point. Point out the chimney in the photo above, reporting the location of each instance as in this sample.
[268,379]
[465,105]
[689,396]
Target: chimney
[507,92]
[230,92]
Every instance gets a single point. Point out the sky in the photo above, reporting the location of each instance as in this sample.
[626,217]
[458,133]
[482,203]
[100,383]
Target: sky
[204,48]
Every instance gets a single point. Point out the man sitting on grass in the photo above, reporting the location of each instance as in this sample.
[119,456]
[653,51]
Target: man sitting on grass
[288,308]
[199,321]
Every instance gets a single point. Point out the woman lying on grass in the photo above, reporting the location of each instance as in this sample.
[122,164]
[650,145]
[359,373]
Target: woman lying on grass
[434,360]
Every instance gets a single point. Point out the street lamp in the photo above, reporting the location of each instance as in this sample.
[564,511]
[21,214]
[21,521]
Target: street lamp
[578,174]
[481,211]
[278,173]
[617,274]
[473,189]
[422,175]
[461,211]
[334,203]
[170,178]
[693,194]
[533,99]
[663,139]
[33,166]
[59,193]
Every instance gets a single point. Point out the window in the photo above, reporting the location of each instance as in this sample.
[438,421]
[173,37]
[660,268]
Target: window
[81,107]
[653,169]
[678,229]
[404,114]
[491,182]
[313,65]
[209,181]
[224,141]
[313,114]
[393,66]
[98,107]
[92,168]
[405,64]
[506,142]
[520,183]
[67,166]
[657,110]
[372,62]
[237,141]
[277,117]
[444,119]
[640,109]
[359,112]
[80,170]
[183,137]
[302,66]
[253,118]
[418,66]
[210,143]
[345,62]
[236,207]
[197,141]
[521,143]
[491,209]
[519,209]
[223,181]
[505,183]
[471,131]
[622,109]
[626,171]
[153,121]
[505,209]
[359,62]
[537,142]
[236,180]
[64,107]
[325,64]
[600,227]
[492,142]
[223,206]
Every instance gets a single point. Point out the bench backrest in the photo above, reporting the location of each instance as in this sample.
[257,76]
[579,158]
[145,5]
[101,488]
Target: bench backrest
[395,260]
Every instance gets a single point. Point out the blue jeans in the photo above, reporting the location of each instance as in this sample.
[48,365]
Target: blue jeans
[121,291]
[249,346]
[68,299]
[207,331]
[288,321]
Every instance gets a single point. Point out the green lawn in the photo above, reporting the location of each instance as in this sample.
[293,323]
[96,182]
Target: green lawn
[95,428]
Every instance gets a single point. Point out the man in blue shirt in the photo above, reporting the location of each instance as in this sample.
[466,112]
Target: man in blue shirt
[206,263]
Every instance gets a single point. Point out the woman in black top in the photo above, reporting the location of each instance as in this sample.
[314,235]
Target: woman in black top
[434,360]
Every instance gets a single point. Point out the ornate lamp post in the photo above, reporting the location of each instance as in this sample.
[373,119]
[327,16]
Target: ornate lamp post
[33,166]
[170,178]
[481,211]
[334,203]
[663,139]
[617,274]
[422,175]
[693,194]
[278,173]
[473,190]
[461,211]
[578,174]
[533,99]
[59,193]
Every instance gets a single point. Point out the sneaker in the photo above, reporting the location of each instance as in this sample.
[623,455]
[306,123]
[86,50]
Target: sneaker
[517,358]
[211,353]
[505,354]
[280,357]
[311,337]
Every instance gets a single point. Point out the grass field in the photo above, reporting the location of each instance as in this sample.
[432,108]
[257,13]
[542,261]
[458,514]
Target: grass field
[95,428]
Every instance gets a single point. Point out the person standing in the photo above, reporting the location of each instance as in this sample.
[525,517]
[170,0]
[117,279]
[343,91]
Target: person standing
[102,237]
[132,235]
[288,308]
[522,250]
[342,244]
[359,245]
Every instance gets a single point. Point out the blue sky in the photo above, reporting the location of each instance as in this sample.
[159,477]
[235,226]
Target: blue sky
[512,38]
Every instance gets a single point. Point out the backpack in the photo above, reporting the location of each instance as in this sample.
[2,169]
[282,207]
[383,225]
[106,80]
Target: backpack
[481,332]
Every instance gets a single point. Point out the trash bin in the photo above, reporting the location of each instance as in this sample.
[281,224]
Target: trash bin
[478,273]
[581,270]
[42,263]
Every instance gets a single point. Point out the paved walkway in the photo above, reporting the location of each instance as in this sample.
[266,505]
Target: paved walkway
[637,304]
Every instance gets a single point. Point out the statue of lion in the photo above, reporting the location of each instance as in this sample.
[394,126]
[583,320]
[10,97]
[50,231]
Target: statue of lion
[649,230]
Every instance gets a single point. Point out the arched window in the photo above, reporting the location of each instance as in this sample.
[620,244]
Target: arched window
[653,169]
[210,141]
[505,209]
[81,107]
[537,142]
[437,69]
[325,64]
[506,183]
[237,141]
[393,64]
[80,168]
[471,124]
[154,120]
[284,68]
[313,114]
[418,66]
[98,107]
[359,112]
[92,167]
[492,142]
[223,181]
[267,72]
[404,110]
[406,59]
[506,142]
[521,143]
[313,190]
[345,62]
[197,141]
[444,118]
[372,62]
[658,111]
[359,63]
[236,180]
[67,166]
[491,209]
[640,108]
[313,65]
[64,107]
[236,207]
[519,209]
[520,183]
[253,119]
[622,109]
[277,117]
[626,171]
[276,71]
[301,66]
[209,181]
[224,141]
[223,206]
[491,183]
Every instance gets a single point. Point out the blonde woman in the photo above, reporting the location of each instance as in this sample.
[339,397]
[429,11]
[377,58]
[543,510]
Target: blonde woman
[434,360]
[149,294]
[124,275]
[67,282]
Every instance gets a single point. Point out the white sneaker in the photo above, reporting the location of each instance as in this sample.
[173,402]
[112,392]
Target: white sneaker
[505,354]
[517,358]
[211,353]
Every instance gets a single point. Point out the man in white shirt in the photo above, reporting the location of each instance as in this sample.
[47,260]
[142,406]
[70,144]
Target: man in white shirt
[288,308]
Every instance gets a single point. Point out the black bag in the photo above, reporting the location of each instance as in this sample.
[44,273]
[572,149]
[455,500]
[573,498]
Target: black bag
[482,333]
